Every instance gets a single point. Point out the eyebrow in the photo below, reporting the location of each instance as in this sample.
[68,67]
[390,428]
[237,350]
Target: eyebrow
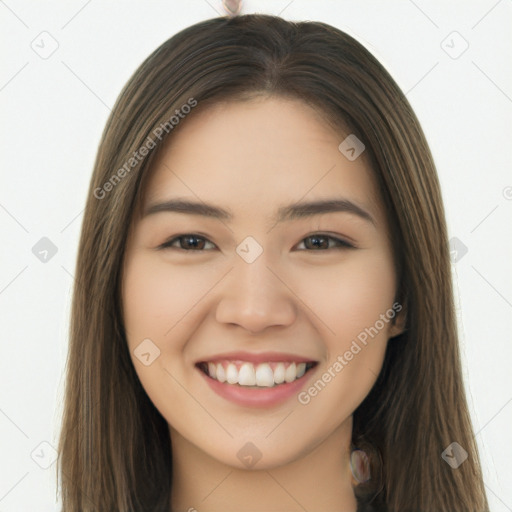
[284,213]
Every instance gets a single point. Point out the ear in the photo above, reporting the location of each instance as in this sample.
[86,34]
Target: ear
[399,321]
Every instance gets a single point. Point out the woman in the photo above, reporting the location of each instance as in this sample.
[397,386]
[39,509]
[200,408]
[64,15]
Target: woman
[263,315]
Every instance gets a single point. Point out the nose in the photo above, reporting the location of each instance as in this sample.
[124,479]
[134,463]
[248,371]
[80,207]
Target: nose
[255,296]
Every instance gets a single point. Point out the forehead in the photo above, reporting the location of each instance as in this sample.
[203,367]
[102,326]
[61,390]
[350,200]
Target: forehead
[247,154]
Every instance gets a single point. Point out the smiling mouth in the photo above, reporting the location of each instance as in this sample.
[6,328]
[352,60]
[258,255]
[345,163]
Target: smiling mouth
[256,376]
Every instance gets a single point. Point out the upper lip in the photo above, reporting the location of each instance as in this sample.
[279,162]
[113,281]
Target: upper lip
[261,357]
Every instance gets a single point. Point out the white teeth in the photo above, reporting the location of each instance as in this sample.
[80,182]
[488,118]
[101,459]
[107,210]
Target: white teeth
[221,374]
[291,373]
[247,376]
[279,372]
[261,375]
[264,375]
[232,374]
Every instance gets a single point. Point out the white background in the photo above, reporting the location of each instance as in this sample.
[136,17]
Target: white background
[53,113]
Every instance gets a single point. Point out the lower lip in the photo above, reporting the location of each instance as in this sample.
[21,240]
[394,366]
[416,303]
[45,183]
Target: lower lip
[263,397]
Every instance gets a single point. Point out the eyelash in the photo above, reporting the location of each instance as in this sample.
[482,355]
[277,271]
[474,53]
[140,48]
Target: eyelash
[343,245]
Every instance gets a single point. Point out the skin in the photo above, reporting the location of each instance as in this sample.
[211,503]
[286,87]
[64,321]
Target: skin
[252,157]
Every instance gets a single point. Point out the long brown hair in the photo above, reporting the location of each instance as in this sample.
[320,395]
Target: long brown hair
[114,447]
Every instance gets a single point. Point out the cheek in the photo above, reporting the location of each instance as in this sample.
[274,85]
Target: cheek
[155,298]
[354,304]
[156,303]
[350,297]
[364,296]
[353,307]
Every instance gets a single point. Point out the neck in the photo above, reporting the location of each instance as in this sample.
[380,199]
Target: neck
[315,481]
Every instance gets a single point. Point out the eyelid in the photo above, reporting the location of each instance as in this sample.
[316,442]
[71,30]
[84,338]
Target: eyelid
[343,243]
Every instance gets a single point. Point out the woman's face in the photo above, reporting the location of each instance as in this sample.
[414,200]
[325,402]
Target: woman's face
[292,304]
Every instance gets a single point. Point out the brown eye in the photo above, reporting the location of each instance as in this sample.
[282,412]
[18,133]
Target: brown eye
[320,242]
[195,243]
[188,242]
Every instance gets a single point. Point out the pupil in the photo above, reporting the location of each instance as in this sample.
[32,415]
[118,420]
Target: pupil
[192,241]
[315,239]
